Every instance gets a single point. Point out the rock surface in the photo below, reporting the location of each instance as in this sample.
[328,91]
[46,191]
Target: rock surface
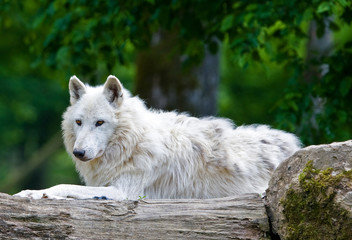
[315,184]
[222,218]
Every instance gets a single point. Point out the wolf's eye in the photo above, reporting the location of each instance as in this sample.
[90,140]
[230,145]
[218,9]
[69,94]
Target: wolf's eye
[79,122]
[99,123]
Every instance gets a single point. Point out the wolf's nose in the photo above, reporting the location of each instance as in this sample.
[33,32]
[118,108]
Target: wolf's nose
[79,153]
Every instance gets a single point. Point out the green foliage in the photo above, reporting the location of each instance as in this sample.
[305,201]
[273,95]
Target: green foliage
[29,107]
[82,37]
[311,212]
[140,198]
[316,106]
[319,110]
[59,170]
[80,29]
[95,39]
[244,98]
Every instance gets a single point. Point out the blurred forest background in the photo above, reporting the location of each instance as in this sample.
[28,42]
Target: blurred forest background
[283,63]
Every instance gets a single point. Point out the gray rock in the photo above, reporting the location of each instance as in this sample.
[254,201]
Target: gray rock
[313,186]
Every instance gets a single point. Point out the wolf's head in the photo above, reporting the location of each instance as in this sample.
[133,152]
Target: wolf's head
[90,121]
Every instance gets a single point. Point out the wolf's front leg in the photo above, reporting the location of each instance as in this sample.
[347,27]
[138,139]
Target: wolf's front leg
[67,191]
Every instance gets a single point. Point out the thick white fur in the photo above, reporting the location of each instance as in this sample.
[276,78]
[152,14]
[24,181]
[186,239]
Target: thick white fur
[143,152]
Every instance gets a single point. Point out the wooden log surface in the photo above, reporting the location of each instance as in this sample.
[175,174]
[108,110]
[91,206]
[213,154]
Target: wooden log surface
[222,218]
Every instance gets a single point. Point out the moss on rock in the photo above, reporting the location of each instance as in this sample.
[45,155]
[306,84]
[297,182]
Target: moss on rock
[311,212]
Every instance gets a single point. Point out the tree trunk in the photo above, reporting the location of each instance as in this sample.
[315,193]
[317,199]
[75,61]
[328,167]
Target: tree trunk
[318,47]
[164,84]
[237,218]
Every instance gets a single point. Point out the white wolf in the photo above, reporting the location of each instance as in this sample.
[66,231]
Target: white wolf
[123,150]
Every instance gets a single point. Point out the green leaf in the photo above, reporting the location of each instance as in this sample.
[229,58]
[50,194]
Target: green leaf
[227,23]
[38,21]
[345,86]
[63,56]
[324,7]
[343,3]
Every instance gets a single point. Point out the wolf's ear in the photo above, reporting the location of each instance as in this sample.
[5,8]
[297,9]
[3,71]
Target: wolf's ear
[113,91]
[77,89]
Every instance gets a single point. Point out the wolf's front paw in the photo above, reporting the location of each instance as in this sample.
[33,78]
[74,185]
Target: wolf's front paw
[36,194]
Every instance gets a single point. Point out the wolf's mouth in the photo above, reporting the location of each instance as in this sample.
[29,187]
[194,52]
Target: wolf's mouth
[85,159]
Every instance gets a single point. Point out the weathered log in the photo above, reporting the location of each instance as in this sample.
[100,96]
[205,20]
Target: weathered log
[223,218]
